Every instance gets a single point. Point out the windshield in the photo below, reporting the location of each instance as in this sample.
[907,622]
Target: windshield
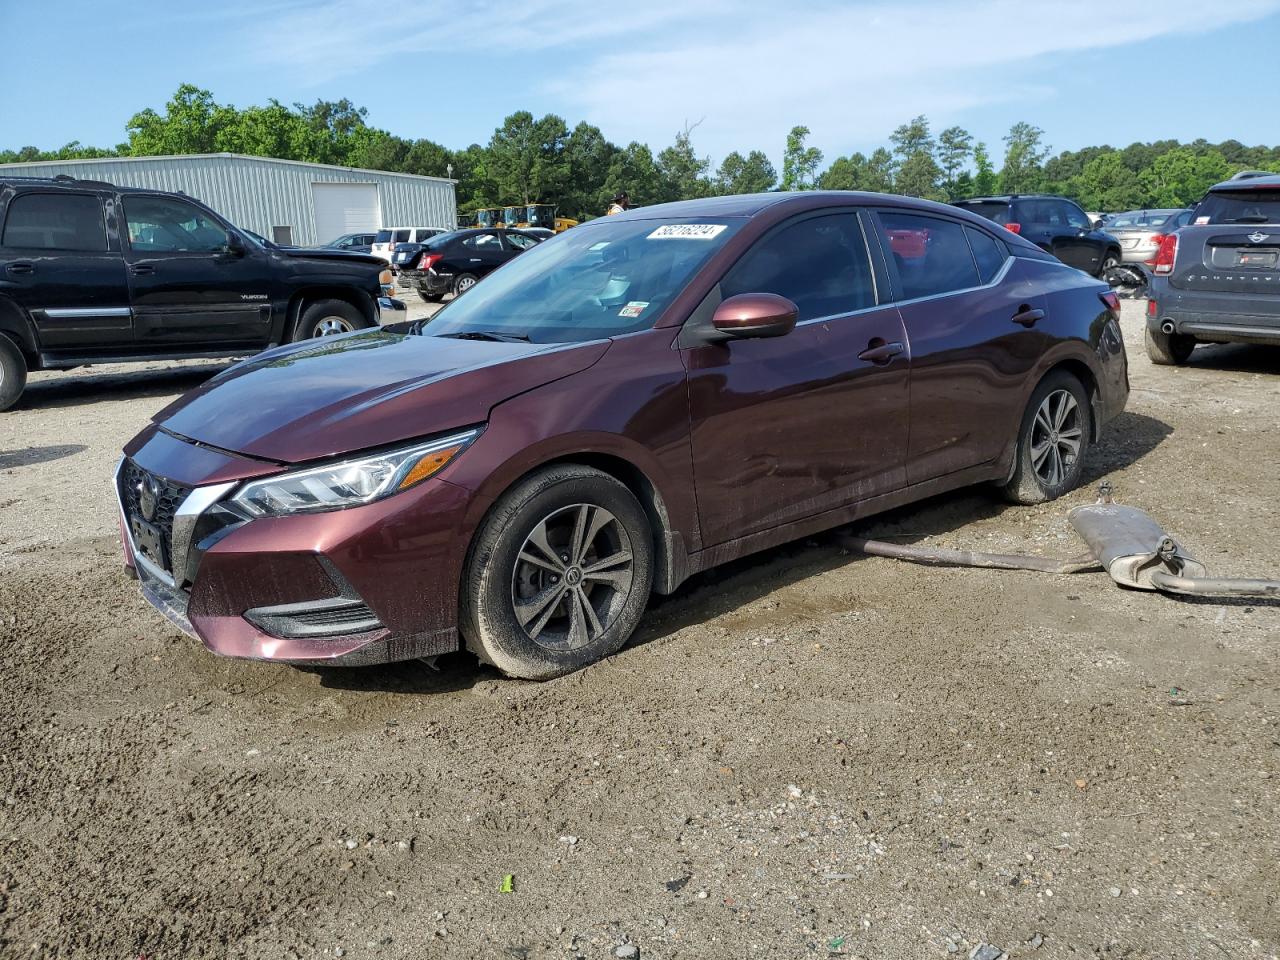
[599,280]
[995,210]
[1240,206]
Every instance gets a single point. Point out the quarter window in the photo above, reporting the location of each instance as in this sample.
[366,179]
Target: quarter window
[932,255]
[53,221]
[162,225]
[988,252]
[820,264]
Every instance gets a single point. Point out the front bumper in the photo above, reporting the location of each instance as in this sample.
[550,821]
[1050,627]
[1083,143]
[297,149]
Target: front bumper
[370,584]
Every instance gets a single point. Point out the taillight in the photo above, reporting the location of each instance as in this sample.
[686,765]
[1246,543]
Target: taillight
[1013,227]
[429,260]
[1111,300]
[1166,253]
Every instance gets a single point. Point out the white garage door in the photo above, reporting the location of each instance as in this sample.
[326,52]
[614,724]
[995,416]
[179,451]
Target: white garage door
[345,208]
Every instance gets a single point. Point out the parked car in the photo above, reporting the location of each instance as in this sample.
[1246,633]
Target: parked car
[405,255]
[384,241]
[1217,280]
[647,396]
[1054,224]
[94,273]
[455,262]
[353,242]
[1137,231]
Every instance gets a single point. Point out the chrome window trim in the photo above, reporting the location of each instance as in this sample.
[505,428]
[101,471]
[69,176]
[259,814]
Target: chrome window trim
[995,281]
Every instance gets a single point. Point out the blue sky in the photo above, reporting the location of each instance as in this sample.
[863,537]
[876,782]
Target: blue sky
[1087,72]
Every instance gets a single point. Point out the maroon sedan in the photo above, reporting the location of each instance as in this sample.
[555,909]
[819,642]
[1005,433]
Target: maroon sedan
[634,401]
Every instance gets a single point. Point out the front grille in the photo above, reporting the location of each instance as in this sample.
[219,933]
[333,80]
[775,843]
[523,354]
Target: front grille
[169,497]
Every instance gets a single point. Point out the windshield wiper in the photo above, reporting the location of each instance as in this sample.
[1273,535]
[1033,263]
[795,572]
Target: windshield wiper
[488,335]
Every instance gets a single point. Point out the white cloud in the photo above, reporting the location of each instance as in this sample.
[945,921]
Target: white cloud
[751,68]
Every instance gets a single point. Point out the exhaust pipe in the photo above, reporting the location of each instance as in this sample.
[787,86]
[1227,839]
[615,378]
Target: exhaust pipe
[1167,328]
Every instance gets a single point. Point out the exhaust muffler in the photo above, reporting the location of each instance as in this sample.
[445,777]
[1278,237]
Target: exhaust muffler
[1167,328]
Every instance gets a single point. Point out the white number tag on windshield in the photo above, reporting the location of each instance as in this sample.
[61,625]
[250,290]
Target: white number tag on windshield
[688,231]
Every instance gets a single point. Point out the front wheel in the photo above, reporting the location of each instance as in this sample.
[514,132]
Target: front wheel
[1052,442]
[1169,349]
[326,318]
[558,575]
[1109,263]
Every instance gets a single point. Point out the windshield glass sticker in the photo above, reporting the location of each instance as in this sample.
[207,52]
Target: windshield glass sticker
[688,231]
[1200,221]
[633,309]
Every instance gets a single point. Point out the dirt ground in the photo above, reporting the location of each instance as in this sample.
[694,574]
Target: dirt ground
[806,753]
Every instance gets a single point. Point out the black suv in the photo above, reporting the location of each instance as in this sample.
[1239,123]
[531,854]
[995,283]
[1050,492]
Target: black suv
[1054,224]
[94,273]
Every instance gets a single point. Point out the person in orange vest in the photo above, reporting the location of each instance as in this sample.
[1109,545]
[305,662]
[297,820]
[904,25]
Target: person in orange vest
[620,203]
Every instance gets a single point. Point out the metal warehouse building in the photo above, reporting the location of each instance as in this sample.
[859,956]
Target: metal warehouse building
[286,200]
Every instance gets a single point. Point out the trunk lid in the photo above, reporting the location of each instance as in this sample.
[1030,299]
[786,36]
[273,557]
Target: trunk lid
[1225,258]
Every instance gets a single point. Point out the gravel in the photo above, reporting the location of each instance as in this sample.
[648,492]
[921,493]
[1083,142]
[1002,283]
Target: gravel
[935,723]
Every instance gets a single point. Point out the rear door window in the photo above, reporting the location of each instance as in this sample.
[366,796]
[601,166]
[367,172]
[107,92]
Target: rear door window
[820,264]
[55,221]
[988,252]
[402,236]
[931,254]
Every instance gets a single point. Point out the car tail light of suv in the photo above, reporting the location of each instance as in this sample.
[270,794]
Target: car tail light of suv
[1166,253]
[429,260]
[1013,227]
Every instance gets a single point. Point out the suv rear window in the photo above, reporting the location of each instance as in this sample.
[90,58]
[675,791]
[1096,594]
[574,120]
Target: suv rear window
[55,221]
[1240,206]
[384,236]
[996,211]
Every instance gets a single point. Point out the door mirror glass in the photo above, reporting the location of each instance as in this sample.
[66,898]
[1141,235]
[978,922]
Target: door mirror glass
[755,315]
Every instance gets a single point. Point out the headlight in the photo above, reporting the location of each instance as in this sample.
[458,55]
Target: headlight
[351,482]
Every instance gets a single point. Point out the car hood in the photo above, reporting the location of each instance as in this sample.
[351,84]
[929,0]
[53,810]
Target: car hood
[336,395]
[329,253]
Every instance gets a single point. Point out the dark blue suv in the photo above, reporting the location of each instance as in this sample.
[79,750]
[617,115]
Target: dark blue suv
[1054,224]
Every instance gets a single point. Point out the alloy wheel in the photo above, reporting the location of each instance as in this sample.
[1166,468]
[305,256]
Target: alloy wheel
[1057,434]
[572,577]
[465,284]
[331,325]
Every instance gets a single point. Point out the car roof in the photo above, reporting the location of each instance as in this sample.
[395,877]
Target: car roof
[751,204]
[71,183]
[1006,198]
[1269,182]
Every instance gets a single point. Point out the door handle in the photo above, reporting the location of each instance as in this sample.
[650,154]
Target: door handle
[880,352]
[142,269]
[21,267]
[1028,317]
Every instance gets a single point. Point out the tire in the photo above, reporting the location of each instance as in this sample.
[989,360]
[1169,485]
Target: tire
[522,606]
[13,373]
[1167,350]
[429,297]
[1110,261]
[464,282]
[326,318]
[1052,441]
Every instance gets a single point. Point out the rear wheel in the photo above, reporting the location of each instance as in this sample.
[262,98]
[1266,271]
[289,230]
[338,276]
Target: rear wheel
[1053,440]
[558,575]
[13,373]
[464,282]
[1169,349]
[325,318]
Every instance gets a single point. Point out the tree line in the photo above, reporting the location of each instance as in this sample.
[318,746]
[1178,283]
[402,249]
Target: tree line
[532,159]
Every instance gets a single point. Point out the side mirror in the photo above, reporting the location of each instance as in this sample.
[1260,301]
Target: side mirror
[755,315]
[1097,224]
[234,247]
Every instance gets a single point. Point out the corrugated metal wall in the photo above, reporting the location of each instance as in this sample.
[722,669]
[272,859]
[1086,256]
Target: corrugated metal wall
[260,193]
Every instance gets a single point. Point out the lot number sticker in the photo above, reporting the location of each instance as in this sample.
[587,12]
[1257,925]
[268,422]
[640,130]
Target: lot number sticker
[688,231]
[633,309]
